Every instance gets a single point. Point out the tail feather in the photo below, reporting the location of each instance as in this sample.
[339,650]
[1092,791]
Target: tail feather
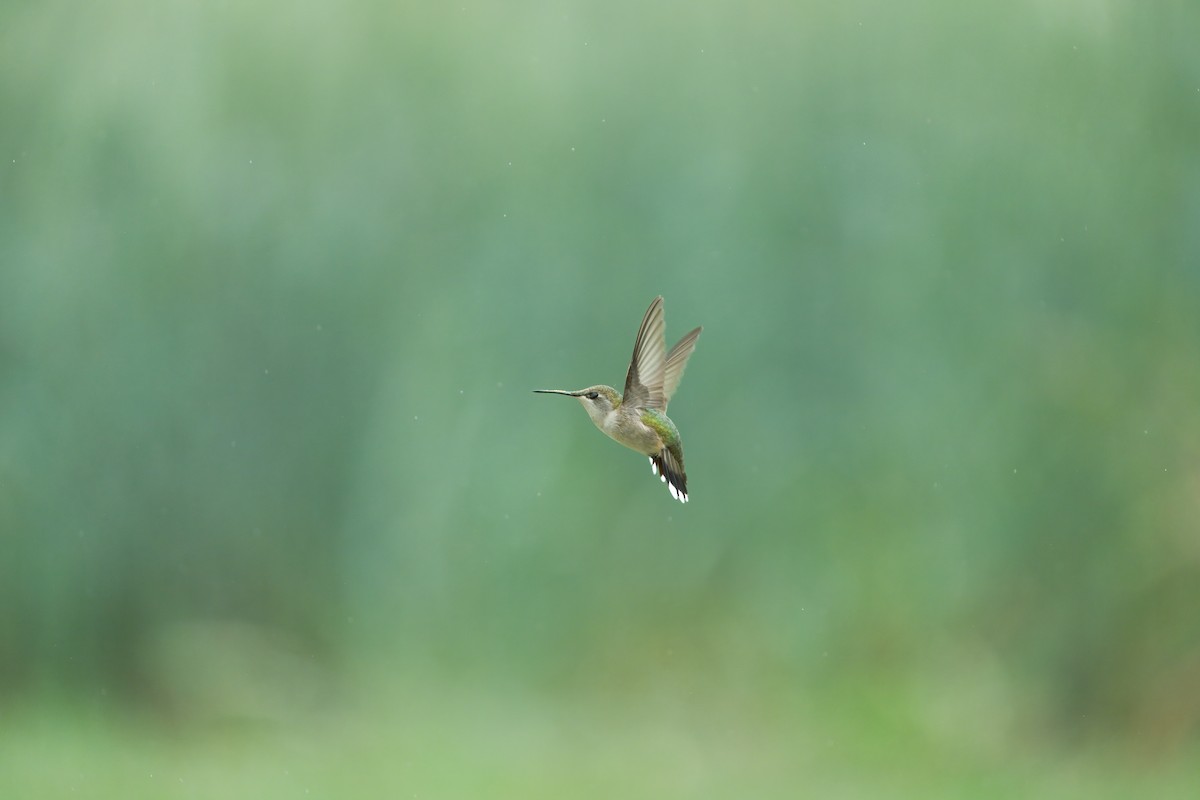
[669,467]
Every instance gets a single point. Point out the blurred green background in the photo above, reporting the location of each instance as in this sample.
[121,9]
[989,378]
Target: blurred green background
[280,516]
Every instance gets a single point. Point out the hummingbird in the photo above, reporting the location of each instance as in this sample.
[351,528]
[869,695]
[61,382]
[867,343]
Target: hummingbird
[638,419]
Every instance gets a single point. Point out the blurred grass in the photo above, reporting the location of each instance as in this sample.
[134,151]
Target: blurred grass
[402,739]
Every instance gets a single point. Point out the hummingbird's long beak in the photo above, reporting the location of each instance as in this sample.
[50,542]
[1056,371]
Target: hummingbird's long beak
[557,391]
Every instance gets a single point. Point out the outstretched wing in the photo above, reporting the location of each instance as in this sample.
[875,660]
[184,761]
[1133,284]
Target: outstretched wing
[644,381]
[676,361]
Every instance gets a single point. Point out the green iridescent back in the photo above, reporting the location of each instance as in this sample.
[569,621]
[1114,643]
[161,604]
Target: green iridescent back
[662,425]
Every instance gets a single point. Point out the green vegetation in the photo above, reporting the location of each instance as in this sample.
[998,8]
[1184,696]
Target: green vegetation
[279,514]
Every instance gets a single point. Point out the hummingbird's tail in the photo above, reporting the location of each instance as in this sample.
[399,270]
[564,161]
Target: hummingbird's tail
[669,467]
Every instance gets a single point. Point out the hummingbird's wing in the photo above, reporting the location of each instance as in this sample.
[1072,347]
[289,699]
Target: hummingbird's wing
[644,381]
[676,361]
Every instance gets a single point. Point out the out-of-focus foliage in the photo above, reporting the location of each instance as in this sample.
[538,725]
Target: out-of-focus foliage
[276,280]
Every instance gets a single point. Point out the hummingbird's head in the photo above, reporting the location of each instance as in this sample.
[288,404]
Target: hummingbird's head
[596,400]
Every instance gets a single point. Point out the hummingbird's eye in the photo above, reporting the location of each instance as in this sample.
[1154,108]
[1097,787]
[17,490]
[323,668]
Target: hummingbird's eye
[592,395]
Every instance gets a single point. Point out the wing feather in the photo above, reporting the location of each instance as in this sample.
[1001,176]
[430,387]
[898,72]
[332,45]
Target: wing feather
[676,362]
[644,381]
